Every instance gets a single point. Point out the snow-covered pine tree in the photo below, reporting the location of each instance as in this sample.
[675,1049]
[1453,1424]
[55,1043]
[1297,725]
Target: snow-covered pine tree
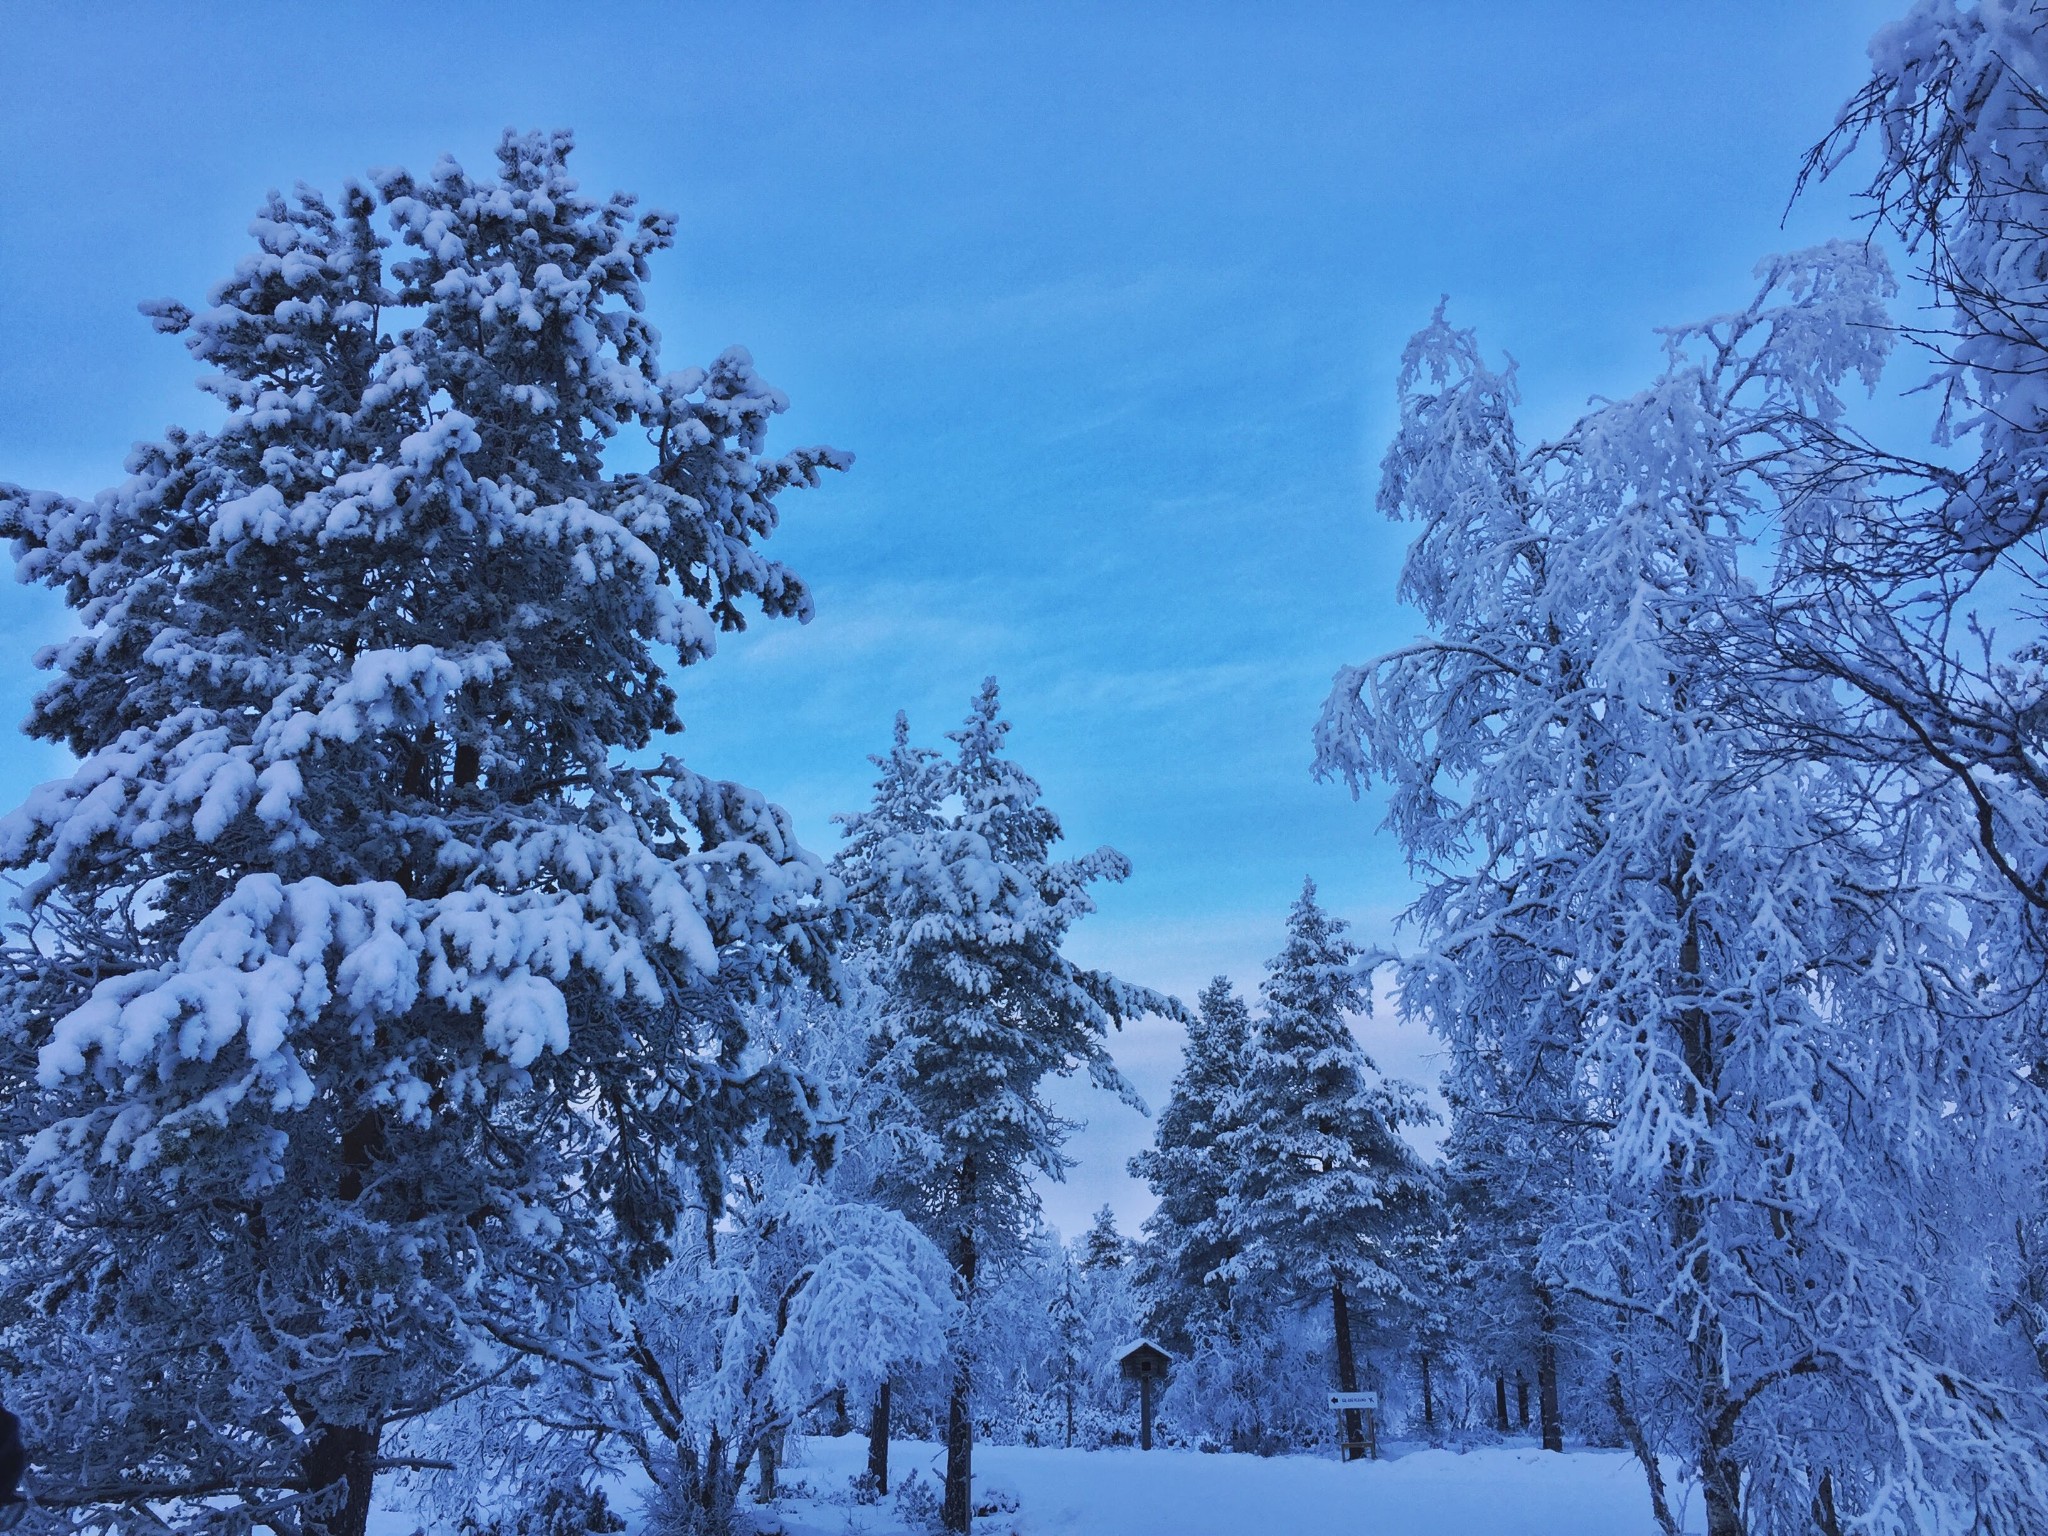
[1321,1183]
[1753,980]
[370,1003]
[1103,1246]
[966,908]
[1072,1338]
[1186,1244]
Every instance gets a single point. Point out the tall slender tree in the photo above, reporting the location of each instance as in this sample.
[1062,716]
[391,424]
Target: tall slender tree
[967,909]
[1321,1183]
[370,1003]
[1187,1246]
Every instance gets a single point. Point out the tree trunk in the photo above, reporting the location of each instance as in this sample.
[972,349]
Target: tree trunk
[1632,1430]
[713,1491]
[1521,1400]
[878,1440]
[1721,1487]
[1720,1475]
[957,1513]
[842,1424]
[766,1493]
[1500,1401]
[1825,1515]
[340,1460]
[1547,1411]
[1549,1415]
[1428,1403]
[1347,1371]
[341,1463]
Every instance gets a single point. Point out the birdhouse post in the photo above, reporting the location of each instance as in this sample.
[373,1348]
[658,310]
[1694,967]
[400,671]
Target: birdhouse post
[1144,1362]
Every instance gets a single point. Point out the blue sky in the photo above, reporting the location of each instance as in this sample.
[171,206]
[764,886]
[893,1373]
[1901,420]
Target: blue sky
[1106,298]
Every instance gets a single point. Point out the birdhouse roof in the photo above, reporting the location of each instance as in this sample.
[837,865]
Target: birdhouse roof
[1138,1347]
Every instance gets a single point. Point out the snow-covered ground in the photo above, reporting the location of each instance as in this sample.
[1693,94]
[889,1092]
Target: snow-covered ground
[1513,1490]
[1505,1491]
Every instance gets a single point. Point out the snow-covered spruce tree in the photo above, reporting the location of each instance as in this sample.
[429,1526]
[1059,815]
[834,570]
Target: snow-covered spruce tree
[1762,1001]
[1186,1245]
[966,910]
[1103,1246]
[1072,1357]
[1321,1183]
[369,1003]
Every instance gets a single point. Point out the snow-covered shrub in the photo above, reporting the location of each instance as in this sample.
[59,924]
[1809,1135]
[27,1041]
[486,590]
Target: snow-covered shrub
[917,1504]
[800,1290]
[561,1511]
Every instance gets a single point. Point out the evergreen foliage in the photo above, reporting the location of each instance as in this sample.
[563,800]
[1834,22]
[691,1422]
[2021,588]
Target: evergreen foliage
[372,1005]
[965,908]
[1186,1244]
[1102,1246]
[1321,1183]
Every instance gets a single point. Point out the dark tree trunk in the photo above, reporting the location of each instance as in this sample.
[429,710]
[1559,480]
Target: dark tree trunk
[422,765]
[1720,1474]
[340,1460]
[713,1491]
[1825,1515]
[1500,1401]
[878,1440]
[769,1444]
[1428,1402]
[341,1463]
[1347,1371]
[1547,1410]
[842,1423]
[957,1513]
[1521,1400]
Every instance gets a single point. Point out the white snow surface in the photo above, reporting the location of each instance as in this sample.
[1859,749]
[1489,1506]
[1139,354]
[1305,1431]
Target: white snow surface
[1514,1490]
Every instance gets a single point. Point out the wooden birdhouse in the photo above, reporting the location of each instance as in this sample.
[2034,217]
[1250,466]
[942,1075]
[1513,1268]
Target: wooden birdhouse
[1145,1363]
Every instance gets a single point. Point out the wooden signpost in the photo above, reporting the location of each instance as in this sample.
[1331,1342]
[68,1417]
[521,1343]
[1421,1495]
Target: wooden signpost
[1356,1440]
[1144,1362]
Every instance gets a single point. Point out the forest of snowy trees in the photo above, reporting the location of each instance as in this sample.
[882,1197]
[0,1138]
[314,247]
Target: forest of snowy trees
[412,1075]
